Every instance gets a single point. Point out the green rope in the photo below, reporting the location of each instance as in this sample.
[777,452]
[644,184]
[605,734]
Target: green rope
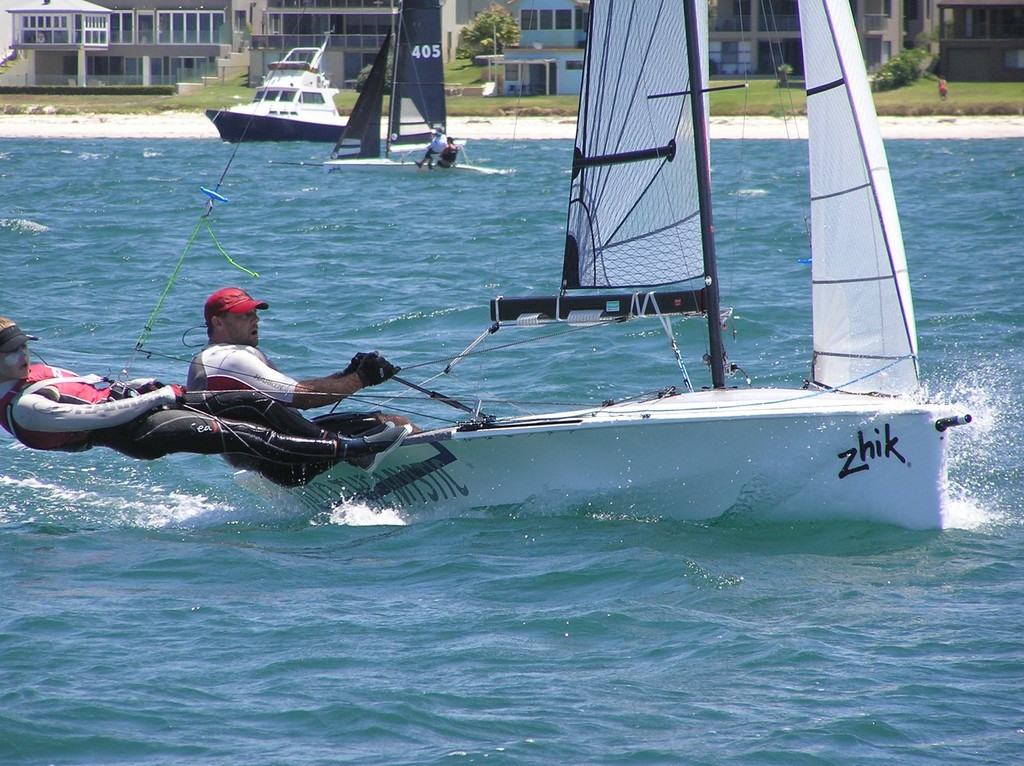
[230,260]
[148,328]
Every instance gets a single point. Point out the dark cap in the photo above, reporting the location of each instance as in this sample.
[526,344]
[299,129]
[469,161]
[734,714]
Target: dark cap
[233,300]
[11,338]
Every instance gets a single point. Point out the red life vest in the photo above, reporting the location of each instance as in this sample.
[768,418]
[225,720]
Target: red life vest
[72,392]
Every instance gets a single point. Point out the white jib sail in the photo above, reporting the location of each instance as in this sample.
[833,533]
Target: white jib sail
[635,224]
[865,339]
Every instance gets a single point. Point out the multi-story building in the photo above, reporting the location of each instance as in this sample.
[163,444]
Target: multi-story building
[549,58]
[753,38]
[357,29]
[78,42]
[158,41]
[982,40]
[747,38]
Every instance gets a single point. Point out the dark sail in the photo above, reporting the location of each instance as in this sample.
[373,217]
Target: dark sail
[361,137]
[417,95]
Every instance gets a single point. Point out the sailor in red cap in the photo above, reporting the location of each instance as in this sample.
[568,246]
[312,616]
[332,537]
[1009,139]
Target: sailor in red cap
[232,361]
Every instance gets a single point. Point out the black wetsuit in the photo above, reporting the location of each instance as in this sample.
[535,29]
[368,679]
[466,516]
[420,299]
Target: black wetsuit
[251,431]
[247,425]
[448,156]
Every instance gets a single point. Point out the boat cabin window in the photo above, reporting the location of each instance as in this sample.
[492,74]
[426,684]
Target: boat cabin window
[310,97]
[266,95]
[301,55]
[288,95]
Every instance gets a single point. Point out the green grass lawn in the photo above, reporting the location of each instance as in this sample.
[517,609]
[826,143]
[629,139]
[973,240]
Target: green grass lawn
[761,97]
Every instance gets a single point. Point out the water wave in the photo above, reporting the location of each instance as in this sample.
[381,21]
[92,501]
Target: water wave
[23,225]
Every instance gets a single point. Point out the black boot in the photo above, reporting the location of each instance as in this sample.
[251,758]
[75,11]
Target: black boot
[368,450]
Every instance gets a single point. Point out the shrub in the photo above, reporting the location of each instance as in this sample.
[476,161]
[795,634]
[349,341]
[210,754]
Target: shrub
[902,69]
[98,90]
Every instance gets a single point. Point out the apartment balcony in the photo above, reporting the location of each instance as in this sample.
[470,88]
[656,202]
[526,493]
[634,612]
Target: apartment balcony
[287,42]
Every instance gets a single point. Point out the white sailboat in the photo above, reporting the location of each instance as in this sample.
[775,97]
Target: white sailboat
[417,105]
[855,443]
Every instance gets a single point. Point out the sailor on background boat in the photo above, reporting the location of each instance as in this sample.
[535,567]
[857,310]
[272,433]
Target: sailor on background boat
[49,408]
[232,361]
[449,154]
[438,144]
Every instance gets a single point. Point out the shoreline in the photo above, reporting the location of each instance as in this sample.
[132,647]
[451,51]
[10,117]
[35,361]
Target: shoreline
[192,125]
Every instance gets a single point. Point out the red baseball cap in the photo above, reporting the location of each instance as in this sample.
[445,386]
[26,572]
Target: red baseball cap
[231,299]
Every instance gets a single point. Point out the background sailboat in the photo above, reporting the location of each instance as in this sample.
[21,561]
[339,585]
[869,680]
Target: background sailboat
[853,444]
[417,104]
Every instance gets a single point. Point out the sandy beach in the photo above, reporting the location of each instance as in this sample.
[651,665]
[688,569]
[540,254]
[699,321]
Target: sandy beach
[194,125]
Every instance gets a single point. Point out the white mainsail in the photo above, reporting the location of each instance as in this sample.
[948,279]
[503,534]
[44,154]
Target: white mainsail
[635,224]
[865,339]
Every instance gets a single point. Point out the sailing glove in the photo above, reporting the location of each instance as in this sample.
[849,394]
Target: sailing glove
[373,369]
[352,366]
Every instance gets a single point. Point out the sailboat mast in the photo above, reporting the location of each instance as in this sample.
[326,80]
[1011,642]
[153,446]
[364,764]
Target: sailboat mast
[716,347]
[393,100]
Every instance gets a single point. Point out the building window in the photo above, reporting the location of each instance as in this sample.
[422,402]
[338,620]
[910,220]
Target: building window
[574,65]
[51,29]
[544,19]
[582,18]
[976,21]
[94,29]
[121,29]
[732,58]
[563,19]
[188,68]
[104,65]
[189,27]
[1007,23]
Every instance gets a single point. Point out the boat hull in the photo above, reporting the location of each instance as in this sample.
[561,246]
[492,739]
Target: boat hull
[383,165]
[777,454]
[238,126]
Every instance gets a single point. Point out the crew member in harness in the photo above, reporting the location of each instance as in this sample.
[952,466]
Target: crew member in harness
[448,155]
[49,408]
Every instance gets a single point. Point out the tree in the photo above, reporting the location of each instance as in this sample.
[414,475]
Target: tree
[364,73]
[491,29]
